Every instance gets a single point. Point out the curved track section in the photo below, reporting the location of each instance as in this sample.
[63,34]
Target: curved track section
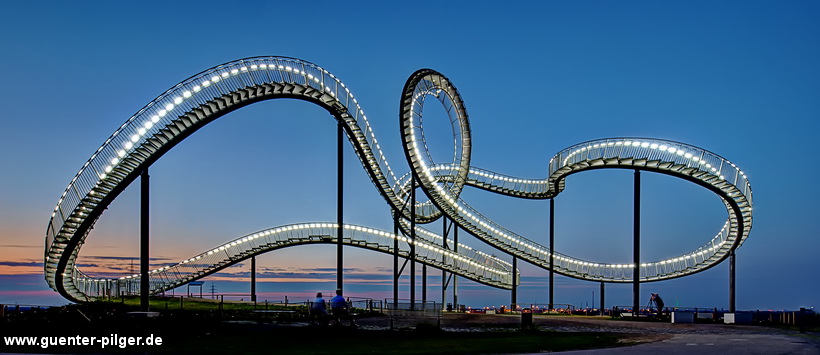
[471,264]
[443,183]
[191,104]
[179,112]
[176,114]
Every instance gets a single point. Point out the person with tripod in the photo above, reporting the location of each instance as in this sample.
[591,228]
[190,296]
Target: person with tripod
[657,301]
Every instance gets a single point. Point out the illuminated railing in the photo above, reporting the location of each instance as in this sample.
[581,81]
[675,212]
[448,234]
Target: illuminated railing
[191,104]
[182,108]
[476,266]
[441,183]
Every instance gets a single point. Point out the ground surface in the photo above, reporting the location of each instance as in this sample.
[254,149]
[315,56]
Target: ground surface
[459,334]
[653,337]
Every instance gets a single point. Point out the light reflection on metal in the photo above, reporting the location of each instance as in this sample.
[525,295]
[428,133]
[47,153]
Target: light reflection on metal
[673,158]
[200,99]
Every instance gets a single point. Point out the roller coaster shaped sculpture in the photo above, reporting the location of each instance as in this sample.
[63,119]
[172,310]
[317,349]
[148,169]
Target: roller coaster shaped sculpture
[202,98]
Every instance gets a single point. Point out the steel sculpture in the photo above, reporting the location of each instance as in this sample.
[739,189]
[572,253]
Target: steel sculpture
[672,158]
[202,98]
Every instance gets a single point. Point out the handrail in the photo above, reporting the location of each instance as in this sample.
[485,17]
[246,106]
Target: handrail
[479,267]
[204,97]
[443,182]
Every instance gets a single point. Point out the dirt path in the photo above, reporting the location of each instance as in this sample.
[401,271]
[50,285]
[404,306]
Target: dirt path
[627,331]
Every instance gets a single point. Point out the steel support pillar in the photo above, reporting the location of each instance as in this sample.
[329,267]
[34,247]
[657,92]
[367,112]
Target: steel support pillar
[395,259]
[552,254]
[253,278]
[340,206]
[424,283]
[455,277]
[732,281]
[636,244]
[145,287]
[444,261]
[602,307]
[514,293]
[413,243]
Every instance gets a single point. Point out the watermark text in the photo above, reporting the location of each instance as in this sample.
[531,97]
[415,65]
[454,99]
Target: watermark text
[113,340]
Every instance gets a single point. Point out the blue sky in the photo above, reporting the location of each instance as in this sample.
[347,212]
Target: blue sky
[737,78]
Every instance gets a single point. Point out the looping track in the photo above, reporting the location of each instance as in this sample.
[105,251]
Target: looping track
[202,98]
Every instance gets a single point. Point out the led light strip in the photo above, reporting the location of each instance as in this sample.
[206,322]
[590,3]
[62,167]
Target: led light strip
[430,174]
[488,263]
[82,201]
[681,152]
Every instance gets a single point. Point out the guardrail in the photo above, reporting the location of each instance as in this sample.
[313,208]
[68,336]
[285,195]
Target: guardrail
[404,308]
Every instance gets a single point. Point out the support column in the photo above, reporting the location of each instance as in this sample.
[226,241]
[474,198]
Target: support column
[552,253]
[253,278]
[395,259]
[145,286]
[413,242]
[455,277]
[514,293]
[732,281]
[424,283]
[602,307]
[340,205]
[444,261]
[636,244]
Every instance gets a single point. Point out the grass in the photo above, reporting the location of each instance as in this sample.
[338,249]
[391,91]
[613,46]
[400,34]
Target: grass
[315,341]
[200,329]
[213,337]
